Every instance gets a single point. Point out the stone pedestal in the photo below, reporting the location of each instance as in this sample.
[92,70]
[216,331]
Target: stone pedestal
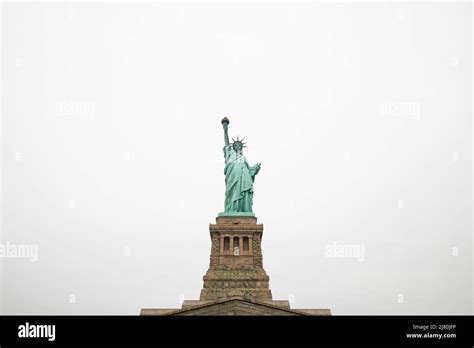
[236,263]
[235,283]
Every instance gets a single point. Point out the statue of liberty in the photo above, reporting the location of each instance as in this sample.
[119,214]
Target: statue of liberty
[239,176]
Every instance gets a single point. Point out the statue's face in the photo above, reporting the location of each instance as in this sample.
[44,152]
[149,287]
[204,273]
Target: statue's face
[237,146]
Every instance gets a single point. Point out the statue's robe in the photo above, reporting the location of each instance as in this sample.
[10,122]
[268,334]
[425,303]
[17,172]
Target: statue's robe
[239,177]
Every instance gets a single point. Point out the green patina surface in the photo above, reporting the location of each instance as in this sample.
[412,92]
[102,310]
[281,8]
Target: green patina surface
[236,213]
[239,177]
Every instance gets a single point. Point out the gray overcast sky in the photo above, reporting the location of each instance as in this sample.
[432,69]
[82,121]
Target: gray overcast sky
[112,158]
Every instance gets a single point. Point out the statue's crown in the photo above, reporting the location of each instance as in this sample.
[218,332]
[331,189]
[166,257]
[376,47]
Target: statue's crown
[238,143]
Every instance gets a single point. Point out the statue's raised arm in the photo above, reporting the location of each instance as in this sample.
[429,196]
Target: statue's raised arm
[225,124]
